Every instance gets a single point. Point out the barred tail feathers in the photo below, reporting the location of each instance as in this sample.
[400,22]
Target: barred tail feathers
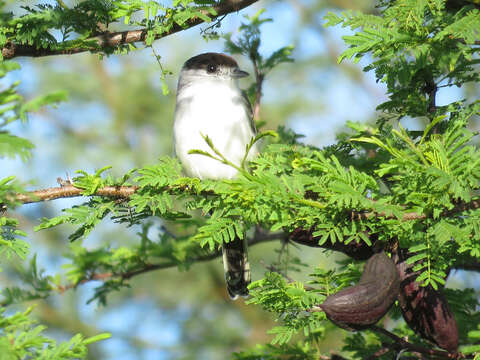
[237,268]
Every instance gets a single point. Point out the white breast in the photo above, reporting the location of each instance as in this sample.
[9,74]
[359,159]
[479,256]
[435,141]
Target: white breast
[215,109]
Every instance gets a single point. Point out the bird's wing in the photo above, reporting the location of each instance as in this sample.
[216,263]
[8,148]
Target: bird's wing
[248,106]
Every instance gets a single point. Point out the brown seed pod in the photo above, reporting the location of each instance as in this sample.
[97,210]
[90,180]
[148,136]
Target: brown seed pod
[362,305]
[425,309]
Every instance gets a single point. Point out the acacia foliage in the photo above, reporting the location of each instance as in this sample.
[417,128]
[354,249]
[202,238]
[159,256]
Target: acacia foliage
[380,184]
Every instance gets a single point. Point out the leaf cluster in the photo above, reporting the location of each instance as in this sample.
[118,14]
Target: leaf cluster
[13,108]
[248,44]
[22,338]
[298,351]
[417,46]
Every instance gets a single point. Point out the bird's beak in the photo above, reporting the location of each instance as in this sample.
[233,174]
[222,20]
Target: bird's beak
[237,73]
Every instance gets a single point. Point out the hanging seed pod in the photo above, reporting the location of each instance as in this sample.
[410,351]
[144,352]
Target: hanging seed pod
[425,309]
[362,305]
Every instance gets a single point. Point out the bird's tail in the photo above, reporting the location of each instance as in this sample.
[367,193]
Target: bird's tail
[237,268]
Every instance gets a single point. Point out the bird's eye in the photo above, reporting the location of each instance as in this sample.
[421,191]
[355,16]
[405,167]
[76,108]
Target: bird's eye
[211,68]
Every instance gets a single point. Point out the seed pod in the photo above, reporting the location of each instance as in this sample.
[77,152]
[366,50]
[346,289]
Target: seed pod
[425,309]
[362,305]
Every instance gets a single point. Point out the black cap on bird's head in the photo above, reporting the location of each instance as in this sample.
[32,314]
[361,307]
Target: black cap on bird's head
[213,64]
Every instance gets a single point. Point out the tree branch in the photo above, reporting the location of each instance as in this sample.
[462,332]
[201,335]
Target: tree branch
[355,250]
[115,39]
[382,351]
[473,265]
[259,78]
[129,274]
[68,191]
[260,236]
[402,344]
[125,192]
[459,207]
[333,357]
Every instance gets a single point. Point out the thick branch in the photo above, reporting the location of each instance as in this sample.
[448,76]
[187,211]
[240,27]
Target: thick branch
[114,39]
[472,265]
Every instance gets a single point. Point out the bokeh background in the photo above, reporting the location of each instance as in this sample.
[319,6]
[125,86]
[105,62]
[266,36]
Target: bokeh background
[117,115]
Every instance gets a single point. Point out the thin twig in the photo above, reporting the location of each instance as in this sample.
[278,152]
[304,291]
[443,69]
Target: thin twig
[259,237]
[215,24]
[68,191]
[382,351]
[290,280]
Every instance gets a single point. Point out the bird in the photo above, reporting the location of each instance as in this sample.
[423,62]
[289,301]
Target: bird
[209,102]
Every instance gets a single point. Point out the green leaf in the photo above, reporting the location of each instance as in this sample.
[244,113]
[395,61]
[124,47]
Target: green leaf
[40,101]
[12,146]
[413,259]
[97,338]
